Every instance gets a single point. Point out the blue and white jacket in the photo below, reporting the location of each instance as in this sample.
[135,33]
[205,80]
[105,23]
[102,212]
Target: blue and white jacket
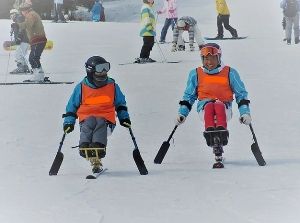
[75,101]
[191,94]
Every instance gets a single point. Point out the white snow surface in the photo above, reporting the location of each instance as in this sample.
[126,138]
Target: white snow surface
[184,188]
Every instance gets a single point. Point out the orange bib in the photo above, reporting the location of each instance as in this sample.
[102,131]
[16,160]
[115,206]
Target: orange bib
[214,86]
[97,102]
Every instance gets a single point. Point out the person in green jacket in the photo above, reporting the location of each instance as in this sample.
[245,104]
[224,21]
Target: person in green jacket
[223,18]
[147,32]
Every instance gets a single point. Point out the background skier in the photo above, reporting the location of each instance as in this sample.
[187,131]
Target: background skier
[147,31]
[37,38]
[58,15]
[223,18]
[95,100]
[213,85]
[291,14]
[186,23]
[170,9]
[21,40]
[96,11]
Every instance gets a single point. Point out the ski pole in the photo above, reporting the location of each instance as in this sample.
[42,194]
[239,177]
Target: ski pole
[160,50]
[9,55]
[58,158]
[256,150]
[137,156]
[164,148]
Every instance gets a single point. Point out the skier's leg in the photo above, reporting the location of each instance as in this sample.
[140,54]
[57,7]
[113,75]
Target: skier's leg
[232,31]
[288,29]
[100,131]
[165,29]
[220,26]
[296,28]
[198,36]
[173,23]
[220,114]
[34,59]
[180,42]
[21,58]
[209,115]
[86,134]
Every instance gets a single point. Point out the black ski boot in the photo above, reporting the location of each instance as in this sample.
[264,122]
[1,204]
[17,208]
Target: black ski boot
[208,135]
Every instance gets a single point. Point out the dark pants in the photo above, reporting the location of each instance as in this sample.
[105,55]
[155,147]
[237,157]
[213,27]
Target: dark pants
[168,22]
[224,19]
[58,13]
[93,130]
[35,54]
[147,46]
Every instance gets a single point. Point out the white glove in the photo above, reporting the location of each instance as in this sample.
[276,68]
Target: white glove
[173,49]
[245,119]
[192,48]
[180,119]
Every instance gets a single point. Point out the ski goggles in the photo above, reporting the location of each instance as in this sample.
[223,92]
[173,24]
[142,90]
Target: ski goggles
[209,50]
[99,68]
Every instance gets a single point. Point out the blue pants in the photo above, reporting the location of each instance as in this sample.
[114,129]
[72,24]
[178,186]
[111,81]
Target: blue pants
[168,23]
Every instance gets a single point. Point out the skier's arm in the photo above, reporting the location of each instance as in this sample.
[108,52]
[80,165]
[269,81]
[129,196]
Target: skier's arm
[190,94]
[120,104]
[241,94]
[73,105]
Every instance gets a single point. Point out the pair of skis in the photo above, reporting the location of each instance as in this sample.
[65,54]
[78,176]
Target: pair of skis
[136,156]
[254,148]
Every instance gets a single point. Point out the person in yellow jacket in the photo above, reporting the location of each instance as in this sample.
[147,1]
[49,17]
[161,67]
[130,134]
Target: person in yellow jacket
[223,18]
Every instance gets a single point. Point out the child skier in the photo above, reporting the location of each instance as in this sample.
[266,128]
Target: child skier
[95,100]
[214,85]
[21,40]
[147,32]
[186,23]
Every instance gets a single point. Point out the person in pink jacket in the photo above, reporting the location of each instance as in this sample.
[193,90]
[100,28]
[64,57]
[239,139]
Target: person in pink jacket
[170,9]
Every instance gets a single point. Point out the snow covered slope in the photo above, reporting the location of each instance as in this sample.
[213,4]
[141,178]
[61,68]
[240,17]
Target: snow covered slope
[183,188]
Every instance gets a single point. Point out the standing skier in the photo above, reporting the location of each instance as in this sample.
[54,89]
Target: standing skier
[213,85]
[223,18]
[147,32]
[21,40]
[170,8]
[95,100]
[291,10]
[96,11]
[37,39]
[58,15]
[186,23]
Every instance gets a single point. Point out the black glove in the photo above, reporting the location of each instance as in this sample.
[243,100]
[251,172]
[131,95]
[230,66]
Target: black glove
[125,122]
[14,26]
[68,128]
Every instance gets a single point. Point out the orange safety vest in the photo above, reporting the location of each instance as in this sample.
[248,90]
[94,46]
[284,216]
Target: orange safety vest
[215,86]
[97,102]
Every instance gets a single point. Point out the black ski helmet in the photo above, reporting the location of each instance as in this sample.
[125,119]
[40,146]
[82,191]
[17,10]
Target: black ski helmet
[90,65]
